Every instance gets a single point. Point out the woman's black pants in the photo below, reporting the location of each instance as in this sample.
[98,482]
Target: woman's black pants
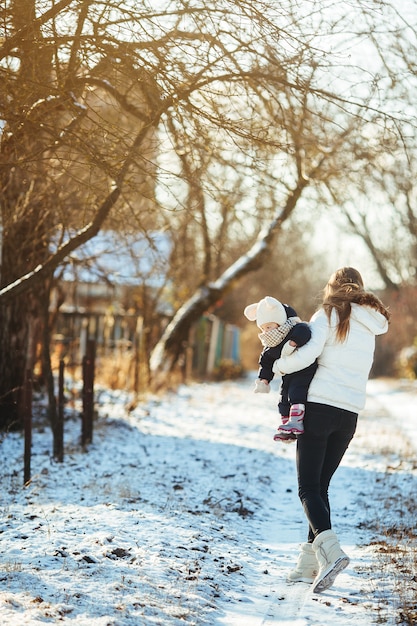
[328,431]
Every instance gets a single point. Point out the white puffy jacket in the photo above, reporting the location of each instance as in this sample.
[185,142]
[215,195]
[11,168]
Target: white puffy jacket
[342,374]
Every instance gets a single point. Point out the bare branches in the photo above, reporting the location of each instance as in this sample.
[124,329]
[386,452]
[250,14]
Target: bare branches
[15,40]
[166,113]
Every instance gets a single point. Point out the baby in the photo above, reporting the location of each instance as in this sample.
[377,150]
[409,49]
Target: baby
[282,333]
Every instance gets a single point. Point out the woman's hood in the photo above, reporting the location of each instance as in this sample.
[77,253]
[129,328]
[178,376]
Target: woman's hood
[369,317]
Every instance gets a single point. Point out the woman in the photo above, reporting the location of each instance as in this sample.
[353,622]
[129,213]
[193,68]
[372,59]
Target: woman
[343,340]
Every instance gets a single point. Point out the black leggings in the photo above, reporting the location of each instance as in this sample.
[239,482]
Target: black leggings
[328,431]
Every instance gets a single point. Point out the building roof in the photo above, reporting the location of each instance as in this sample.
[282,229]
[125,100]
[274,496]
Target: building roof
[120,259]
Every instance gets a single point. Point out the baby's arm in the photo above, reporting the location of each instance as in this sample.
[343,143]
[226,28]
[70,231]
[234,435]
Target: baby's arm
[306,354]
[266,373]
[301,334]
[299,337]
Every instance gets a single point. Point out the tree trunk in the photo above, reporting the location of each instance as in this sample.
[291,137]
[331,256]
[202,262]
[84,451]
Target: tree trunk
[174,340]
[24,216]
[14,333]
[22,245]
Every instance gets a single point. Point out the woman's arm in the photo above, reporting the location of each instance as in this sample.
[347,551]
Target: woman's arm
[306,355]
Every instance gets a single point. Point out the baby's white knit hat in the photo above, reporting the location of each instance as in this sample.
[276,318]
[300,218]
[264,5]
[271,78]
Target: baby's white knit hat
[267,310]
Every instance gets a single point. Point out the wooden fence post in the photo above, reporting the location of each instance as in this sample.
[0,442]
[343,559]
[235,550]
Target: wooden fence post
[59,436]
[88,394]
[137,355]
[27,408]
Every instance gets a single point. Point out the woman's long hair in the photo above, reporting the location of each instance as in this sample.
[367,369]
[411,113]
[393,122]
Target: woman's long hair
[344,287]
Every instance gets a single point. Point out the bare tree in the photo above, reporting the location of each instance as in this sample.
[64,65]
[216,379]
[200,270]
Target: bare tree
[113,114]
[383,214]
[376,198]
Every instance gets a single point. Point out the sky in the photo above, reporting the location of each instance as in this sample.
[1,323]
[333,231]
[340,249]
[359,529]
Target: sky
[184,511]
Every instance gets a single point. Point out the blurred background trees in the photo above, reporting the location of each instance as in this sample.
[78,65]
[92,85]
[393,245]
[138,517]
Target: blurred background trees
[272,141]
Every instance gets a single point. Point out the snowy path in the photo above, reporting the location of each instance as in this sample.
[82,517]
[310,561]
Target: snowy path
[186,512]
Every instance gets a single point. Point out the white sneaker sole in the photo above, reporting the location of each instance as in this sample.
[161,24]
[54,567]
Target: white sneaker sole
[328,577]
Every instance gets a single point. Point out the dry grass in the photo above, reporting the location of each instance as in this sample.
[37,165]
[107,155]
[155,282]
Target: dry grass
[392,518]
[396,555]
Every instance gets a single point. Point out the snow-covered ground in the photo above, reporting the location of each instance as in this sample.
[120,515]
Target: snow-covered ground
[185,511]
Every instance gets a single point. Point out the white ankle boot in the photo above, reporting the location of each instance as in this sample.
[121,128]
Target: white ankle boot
[307,566]
[331,559]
